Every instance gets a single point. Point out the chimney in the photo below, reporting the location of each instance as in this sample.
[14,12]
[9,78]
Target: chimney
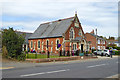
[92,31]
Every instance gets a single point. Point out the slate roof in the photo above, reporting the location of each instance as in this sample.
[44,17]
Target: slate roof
[52,29]
[97,36]
[27,35]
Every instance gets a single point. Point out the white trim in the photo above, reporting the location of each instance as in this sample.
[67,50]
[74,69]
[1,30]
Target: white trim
[46,44]
[56,43]
[71,29]
[37,44]
[74,46]
[51,46]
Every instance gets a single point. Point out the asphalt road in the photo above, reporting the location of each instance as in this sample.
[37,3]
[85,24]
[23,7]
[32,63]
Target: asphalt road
[86,69]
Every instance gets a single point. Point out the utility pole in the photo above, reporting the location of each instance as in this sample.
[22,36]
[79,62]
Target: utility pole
[96,41]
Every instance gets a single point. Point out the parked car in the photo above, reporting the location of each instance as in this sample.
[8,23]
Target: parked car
[106,52]
[98,52]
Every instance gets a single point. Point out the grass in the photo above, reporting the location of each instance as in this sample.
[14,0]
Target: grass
[40,56]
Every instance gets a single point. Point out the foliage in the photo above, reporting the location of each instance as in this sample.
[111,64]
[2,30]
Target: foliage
[4,52]
[112,45]
[13,42]
[21,57]
[117,52]
[43,51]
[111,38]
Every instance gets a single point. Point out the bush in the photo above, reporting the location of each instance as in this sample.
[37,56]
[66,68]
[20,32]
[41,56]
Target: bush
[117,52]
[21,57]
[4,52]
[43,51]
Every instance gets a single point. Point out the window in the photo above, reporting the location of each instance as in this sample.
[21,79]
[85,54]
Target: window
[57,42]
[38,44]
[31,44]
[47,44]
[74,46]
[98,47]
[103,42]
[72,33]
[80,32]
[76,23]
[98,41]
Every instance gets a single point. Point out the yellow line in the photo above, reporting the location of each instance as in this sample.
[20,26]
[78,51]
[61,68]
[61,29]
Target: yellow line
[6,67]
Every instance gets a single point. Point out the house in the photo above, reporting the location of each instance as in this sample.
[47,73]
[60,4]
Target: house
[25,46]
[63,34]
[113,42]
[100,42]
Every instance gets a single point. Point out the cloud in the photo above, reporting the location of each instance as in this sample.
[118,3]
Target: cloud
[29,14]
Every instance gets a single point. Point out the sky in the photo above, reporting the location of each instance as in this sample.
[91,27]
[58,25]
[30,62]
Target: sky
[27,15]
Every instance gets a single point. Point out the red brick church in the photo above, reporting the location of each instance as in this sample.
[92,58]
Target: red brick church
[63,34]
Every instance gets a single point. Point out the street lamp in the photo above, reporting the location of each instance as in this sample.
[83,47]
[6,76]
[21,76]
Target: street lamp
[96,41]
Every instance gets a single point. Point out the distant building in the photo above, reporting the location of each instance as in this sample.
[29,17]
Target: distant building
[66,32]
[91,38]
[111,42]
[26,43]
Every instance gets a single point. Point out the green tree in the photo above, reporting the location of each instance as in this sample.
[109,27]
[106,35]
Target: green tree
[12,42]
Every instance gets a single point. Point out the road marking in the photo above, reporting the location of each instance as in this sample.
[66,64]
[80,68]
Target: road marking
[113,76]
[2,68]
[95,65]
[44,73]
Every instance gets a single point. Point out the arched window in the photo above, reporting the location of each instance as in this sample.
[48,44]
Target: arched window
[71,33]
[38,44]
[57,42]
[47,43]
[80,32]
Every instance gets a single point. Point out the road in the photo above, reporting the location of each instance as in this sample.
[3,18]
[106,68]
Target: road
[86,69]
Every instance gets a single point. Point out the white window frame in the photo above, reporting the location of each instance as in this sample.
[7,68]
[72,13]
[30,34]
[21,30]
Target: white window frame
[75,48]
[46,44]
[58,43]
[98,41]
[71,29]
[38,45]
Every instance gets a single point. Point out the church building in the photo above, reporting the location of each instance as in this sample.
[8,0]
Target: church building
[63,34]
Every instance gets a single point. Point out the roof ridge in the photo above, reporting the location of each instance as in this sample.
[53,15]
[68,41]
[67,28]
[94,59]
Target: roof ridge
[57,20]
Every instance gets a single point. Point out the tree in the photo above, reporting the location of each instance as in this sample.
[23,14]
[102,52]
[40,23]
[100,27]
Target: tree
[12,42]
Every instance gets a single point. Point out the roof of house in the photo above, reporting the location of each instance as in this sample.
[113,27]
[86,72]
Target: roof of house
[52,29]
[27,35]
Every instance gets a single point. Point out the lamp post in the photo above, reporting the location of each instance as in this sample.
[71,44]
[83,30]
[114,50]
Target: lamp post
[96,41]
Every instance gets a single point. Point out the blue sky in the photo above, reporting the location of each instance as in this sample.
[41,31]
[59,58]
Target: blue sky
[27,15]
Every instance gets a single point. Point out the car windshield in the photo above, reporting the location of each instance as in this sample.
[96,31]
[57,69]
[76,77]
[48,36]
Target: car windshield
[105,50]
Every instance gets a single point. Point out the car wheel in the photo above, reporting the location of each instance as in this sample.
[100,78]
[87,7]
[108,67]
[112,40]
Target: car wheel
[106,55]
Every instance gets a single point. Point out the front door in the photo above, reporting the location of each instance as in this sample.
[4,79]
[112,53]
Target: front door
[82,48]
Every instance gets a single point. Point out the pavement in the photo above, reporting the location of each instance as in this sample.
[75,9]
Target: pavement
[103,67]
[14,64]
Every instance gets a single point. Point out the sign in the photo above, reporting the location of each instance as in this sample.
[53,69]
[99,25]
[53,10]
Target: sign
[59,45]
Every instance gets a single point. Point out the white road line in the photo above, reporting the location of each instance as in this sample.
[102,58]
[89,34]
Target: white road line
[95,65]
[44,73]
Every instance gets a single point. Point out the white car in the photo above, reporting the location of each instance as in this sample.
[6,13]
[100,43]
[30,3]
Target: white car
[106,52]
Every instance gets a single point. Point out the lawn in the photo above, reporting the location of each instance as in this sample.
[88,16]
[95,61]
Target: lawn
[40,56]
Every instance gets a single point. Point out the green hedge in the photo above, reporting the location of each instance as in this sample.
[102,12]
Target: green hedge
[117,52]
[21,57]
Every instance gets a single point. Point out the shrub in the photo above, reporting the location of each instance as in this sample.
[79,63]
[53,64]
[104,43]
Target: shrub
[43,51]
[13,42]
[21,57]
[4,52]
[117,52]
